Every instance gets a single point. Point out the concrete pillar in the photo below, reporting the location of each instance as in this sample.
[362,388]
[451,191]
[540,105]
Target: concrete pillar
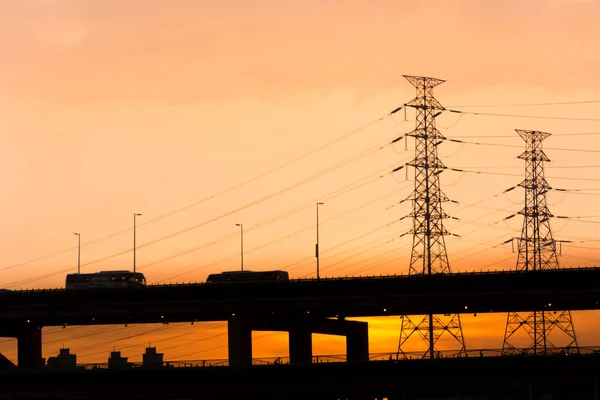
[300,346]
[239,335]
[531,397]
[29,347]
[357,342]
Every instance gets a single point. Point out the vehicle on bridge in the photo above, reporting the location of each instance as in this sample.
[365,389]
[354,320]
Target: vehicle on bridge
[106,279]
[248,276]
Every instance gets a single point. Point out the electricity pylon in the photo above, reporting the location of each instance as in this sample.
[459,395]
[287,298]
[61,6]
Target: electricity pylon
[429,248]
[537,251]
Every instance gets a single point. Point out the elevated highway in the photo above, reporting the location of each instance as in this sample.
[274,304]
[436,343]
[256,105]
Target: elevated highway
[563,289]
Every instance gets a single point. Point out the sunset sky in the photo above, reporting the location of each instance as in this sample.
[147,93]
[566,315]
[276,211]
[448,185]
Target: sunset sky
[202,114]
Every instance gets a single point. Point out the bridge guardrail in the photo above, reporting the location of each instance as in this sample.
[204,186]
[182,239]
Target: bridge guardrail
[312,279]
[341,358]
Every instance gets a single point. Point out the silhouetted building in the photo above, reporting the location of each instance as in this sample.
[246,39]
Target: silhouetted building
[116,361]
[64,360]
[152,359]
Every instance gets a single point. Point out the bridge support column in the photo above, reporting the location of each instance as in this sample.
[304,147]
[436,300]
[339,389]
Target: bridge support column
[239,335]
[29,347]
[300,335]
[357,342]
[300,346]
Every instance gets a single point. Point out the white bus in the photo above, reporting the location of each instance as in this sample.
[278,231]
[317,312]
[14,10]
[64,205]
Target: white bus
[105,279]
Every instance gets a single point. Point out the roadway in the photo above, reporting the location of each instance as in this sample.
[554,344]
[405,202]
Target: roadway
[516,377]
[502,291]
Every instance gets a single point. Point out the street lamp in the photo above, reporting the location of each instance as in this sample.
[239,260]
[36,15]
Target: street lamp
[78,252]
[134,227]
[241,242]
[317,245]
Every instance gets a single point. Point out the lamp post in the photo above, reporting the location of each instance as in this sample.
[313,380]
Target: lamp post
[78,251]
[135,215]
[241,242]
[317,245]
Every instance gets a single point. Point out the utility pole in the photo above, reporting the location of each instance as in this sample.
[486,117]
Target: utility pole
[428,255]
[317,245]
[537,251]
[78,252]
[241,243]
[134,229]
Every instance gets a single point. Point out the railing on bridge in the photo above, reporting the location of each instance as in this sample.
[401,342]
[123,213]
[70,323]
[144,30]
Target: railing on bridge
[341,358]
[332,278]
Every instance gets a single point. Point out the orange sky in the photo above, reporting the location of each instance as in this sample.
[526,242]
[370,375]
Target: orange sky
[110,108]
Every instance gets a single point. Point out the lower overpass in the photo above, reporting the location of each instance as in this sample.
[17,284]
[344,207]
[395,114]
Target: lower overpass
[515,377]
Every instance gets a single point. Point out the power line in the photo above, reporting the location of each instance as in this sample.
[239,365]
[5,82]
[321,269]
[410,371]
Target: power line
[223,346]
[279,239]
[344,266]
[303,261]
[140,334]
[393,237]
[581,193]
[231,188]
[102,330]
[285,164]
[523,116]
[108,342]
[515,146]
[505,174]
[369,202]
[376,263]
[581,220]
[226,237]
[512,136]
[352,186]
[339,165]
[267,197]
[527,104]
[153,342]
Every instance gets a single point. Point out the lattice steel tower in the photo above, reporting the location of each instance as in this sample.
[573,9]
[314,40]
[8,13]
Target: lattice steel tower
[429,248]
[537,251]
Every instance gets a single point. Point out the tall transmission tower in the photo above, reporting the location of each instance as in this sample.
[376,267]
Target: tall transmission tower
[537,251]
[429,248]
